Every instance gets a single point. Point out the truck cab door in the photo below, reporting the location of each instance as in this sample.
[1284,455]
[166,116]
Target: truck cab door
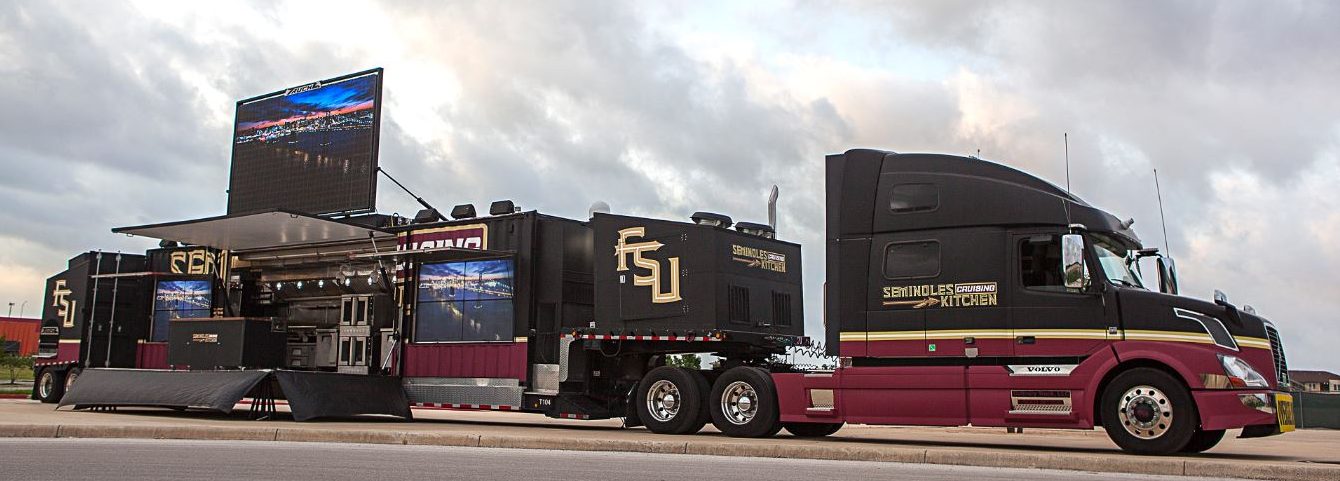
[1048,319]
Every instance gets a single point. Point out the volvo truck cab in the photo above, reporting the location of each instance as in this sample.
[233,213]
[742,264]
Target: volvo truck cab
[965,292]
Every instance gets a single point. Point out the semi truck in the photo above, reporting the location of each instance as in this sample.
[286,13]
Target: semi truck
[957,292]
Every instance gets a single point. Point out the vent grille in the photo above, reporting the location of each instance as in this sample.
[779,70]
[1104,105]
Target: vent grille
[781,309]
[739,304]
[1277,351]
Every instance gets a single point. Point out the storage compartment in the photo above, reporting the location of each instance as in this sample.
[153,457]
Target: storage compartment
[206,343]
[676,277]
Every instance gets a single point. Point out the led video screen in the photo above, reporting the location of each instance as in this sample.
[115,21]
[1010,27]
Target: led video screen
[465,301]
[178,300]
[310,149]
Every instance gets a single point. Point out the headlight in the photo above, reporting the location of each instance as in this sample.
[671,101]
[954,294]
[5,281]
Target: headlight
[1241,374]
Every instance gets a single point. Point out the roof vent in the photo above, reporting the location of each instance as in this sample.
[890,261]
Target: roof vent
[761,230]
[502,207]
[712,219]
[463,211]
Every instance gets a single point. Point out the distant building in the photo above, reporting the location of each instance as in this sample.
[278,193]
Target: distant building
[20,335]
[1315,381]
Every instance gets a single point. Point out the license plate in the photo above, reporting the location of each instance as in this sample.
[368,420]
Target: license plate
[1284,411]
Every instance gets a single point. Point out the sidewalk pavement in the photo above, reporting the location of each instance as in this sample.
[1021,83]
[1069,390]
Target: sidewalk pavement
[1302,455]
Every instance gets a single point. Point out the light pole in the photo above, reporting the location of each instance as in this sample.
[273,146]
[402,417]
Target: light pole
[21,307]
[11,310]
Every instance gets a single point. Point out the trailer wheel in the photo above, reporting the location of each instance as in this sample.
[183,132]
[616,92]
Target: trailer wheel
[1203,440]
[811,430]
[1147,411]
[70,377]
[670,400]
[50,385]
[744,403]
[704,407]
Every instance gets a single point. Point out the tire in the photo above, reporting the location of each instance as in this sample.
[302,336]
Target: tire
[50,385]
[670,400]
[1147,411]
[744,403]
[704,409]
[811,430]
[70,377]
[1202,441]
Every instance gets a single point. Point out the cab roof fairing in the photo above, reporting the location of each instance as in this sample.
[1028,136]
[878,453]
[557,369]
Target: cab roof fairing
[1047,203]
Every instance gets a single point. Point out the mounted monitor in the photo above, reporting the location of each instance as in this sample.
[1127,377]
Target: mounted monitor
[309,149]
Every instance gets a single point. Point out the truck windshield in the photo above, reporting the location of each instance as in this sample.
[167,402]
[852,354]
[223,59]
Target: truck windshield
[1112,255]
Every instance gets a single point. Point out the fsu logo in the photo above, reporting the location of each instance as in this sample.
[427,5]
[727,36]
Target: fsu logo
[64,306]
[623,248]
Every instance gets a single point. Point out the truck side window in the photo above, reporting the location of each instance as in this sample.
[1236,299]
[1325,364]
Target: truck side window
[912,259]
[1040,263]
[907,198]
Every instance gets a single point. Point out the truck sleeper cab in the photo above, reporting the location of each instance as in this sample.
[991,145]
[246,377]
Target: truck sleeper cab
[965,292]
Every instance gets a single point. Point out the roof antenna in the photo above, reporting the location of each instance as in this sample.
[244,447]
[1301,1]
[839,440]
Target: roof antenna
[1159,191]
[1066,137]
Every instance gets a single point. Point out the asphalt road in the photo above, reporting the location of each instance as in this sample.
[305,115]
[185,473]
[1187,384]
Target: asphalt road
[138,459]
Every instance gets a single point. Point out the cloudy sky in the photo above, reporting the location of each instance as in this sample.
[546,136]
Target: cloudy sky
[119,114]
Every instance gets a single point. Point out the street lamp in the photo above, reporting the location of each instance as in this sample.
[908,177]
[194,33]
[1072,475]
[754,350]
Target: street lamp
[11,310]
[21,307]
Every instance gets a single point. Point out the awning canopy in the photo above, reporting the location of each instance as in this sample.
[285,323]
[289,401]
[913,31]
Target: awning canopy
[265,230]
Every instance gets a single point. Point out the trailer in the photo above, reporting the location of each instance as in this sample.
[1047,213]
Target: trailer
[958,292]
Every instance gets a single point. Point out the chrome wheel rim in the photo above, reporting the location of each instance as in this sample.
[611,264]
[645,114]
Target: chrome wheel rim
[663,400]
[1145,412]
[69,380]
[739,403]
[44,386]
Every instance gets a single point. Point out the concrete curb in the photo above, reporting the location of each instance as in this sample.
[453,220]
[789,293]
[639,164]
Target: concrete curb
[836,451]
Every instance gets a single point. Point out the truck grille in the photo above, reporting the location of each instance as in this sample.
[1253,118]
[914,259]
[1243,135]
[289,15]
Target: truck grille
[1277,351]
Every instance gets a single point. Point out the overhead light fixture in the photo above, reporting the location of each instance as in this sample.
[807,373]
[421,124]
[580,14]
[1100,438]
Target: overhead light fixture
[463,211]
[300,284]
[321,283]
[711,218]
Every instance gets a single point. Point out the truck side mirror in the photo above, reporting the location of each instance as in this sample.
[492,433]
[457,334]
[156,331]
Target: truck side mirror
[1072,262]
[1167,275]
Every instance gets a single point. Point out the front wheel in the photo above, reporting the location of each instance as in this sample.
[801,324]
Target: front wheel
[50,386]
[744,403]
[1147,411]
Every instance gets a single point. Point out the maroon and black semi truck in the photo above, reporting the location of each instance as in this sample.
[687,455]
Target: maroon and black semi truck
[957,292]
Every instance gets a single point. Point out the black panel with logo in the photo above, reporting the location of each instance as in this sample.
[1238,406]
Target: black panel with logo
[81,310]
[656,276]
